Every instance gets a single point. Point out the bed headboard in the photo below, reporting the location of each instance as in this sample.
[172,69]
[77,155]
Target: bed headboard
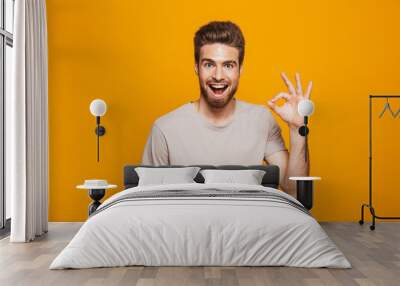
[270,179]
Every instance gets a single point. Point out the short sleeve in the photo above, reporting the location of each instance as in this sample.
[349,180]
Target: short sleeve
[156,149]
[274,140]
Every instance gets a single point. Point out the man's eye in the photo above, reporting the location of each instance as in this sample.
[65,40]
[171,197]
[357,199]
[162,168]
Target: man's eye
[229,66]
[208,65]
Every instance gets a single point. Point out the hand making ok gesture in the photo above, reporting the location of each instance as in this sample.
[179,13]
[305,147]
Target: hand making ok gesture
[288,111]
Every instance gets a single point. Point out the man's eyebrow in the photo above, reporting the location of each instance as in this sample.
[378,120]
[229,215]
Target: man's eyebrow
[225,62]
[230,62]
[207,60]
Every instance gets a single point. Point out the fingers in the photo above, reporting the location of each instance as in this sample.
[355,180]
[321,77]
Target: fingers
[308,92]
[288,84]
[298,83]
[273,106]
[271,103]
[280,95]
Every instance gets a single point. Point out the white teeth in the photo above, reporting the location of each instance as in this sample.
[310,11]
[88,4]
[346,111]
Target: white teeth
[218,86]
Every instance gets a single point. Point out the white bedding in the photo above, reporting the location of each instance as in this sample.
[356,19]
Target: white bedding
[182,231]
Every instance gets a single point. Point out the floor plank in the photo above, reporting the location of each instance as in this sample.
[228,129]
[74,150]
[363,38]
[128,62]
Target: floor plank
[375,256]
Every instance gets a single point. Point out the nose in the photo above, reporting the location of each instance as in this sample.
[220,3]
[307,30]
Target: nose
[218,74]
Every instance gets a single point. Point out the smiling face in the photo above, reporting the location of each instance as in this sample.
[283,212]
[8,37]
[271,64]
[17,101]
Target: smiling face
[219,72]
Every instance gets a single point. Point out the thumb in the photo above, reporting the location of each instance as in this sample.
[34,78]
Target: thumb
[272,105]
[275,108]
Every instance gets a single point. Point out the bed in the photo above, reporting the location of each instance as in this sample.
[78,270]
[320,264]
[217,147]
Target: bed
[201,224]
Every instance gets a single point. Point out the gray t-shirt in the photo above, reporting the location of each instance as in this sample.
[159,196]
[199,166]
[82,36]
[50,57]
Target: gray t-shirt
[185,137]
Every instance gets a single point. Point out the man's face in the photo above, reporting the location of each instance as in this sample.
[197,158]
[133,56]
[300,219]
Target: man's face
[219,72]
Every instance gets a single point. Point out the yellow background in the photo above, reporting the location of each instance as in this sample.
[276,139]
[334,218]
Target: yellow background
[138,57]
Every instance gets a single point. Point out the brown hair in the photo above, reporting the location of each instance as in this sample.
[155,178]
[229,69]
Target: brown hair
[219,32]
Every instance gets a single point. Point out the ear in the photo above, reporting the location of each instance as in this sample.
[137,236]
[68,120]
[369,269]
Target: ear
[196,68]
[241,69]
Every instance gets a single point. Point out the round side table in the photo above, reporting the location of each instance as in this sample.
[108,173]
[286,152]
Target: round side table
[305,190]
[96,193]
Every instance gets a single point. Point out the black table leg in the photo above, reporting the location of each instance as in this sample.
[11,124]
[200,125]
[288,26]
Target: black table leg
[305,193]
[96,195]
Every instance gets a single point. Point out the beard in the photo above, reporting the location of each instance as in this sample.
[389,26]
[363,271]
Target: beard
[218,103]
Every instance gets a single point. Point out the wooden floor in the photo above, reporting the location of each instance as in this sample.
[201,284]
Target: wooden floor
[375,257]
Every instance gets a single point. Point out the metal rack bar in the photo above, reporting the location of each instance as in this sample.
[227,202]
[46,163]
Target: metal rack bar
[370,206]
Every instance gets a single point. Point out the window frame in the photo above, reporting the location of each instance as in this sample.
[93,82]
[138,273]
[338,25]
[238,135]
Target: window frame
[6,39]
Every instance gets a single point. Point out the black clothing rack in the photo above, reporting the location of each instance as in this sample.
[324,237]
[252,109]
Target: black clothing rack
[369,205]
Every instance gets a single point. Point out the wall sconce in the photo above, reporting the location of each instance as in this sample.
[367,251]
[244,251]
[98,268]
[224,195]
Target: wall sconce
[305,108]
[98,108]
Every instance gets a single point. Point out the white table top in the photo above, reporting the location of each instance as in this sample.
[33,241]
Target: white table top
[304,178]
[86,187]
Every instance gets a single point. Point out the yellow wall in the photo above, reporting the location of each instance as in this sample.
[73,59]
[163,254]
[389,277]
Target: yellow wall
[138,57]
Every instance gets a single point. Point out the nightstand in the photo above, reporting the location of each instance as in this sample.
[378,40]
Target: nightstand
[305,190]
[97,190]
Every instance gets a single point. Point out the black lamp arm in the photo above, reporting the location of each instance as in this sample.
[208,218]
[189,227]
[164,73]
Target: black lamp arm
[100,131]
[303,131]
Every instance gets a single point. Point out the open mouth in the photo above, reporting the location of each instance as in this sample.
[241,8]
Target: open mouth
[218,88]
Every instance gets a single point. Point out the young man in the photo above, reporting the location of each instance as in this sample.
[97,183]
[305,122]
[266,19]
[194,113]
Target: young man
[218,129]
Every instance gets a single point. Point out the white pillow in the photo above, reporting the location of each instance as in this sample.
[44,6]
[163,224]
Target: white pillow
[162,176]
[249,177]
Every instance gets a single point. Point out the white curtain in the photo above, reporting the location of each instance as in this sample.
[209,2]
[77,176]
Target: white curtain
[27,124]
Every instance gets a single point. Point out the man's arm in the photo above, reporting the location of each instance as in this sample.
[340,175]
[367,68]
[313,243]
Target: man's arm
[156,149]
[291,163]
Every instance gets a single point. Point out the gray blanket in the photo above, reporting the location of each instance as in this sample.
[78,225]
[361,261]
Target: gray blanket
[199,194]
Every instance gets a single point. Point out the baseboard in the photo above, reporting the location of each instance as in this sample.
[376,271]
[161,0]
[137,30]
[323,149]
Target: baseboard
[5,231]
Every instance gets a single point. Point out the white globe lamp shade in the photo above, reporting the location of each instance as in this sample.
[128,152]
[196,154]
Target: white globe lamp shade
[305,107]
[98,107]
